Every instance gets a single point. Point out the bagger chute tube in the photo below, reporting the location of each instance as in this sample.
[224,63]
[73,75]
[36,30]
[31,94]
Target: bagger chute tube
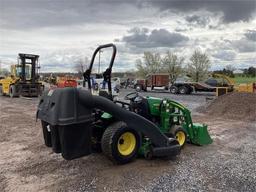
[75,123]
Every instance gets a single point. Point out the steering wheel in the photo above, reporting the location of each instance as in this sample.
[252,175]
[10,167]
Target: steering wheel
[131,96]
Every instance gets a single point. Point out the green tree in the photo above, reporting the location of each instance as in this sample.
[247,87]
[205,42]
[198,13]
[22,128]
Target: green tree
[173,65]
[151,63]
[198,66]
[252,71]
[229,71]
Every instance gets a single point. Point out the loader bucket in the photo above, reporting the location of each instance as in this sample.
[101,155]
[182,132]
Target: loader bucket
[201,135]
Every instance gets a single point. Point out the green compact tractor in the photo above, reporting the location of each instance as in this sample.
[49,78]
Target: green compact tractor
[77,123]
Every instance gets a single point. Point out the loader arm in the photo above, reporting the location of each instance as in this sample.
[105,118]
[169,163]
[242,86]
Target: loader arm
[187,117]
[197,133]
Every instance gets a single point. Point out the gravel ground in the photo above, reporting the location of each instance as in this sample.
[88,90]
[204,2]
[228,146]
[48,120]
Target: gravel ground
[226,165]
[27,165]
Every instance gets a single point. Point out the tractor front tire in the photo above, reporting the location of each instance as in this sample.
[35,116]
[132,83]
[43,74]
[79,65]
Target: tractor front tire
[120,143]
[180,134]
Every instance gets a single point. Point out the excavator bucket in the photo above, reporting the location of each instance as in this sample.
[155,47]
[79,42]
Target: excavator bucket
[201,135]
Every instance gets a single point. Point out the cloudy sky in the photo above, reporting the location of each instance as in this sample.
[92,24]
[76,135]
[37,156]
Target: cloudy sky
[64,31]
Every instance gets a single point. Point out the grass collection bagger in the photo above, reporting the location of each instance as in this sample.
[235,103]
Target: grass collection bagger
[77,123]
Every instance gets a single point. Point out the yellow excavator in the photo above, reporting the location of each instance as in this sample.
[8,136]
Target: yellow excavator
[24,78]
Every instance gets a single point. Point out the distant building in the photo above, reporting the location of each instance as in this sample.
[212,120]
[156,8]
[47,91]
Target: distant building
[238,71]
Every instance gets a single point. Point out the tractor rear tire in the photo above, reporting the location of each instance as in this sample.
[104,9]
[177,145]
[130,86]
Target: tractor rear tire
[13,91]
[120,143]
[180,134]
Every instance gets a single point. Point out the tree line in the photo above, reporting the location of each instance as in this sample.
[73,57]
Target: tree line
[197,68]
[229,71]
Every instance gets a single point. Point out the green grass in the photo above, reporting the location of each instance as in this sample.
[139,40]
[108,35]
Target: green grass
[239,79]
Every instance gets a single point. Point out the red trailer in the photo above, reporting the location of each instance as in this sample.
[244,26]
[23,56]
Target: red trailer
[152,81]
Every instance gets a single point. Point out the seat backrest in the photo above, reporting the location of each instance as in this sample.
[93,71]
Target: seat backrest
[144,109]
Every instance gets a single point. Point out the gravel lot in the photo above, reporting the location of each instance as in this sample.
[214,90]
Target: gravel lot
[27,165]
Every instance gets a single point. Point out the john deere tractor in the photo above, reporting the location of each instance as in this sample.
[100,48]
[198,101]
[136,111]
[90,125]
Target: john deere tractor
[76,123]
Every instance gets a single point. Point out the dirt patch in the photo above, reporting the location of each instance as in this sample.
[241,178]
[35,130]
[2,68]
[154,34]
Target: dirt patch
[2,183]
[233,106]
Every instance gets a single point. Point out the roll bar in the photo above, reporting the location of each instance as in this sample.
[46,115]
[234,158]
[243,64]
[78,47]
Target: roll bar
[108,71]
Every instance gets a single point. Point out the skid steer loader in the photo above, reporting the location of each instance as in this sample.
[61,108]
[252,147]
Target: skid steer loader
[76,123]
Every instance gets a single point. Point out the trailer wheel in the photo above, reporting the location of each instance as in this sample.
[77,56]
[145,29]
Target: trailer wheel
[120,143]
[13,91]
[174,89]
[138,88]
[183,90]
[180,134]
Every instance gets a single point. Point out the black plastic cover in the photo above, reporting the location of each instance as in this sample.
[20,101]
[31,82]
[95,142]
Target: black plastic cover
[66,123]
[75,140]
[61,106]
[72,141]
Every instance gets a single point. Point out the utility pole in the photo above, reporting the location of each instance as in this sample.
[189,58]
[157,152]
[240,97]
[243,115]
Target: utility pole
[99,61]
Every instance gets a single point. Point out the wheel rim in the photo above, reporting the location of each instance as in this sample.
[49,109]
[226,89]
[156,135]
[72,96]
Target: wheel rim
[173,90]
[126,143]
[182,91]
[181,137]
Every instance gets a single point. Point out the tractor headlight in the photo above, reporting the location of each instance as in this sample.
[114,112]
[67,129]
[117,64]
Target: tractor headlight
[164,102]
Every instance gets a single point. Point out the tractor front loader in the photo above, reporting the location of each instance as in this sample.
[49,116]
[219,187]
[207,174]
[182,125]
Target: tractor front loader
[76,123]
